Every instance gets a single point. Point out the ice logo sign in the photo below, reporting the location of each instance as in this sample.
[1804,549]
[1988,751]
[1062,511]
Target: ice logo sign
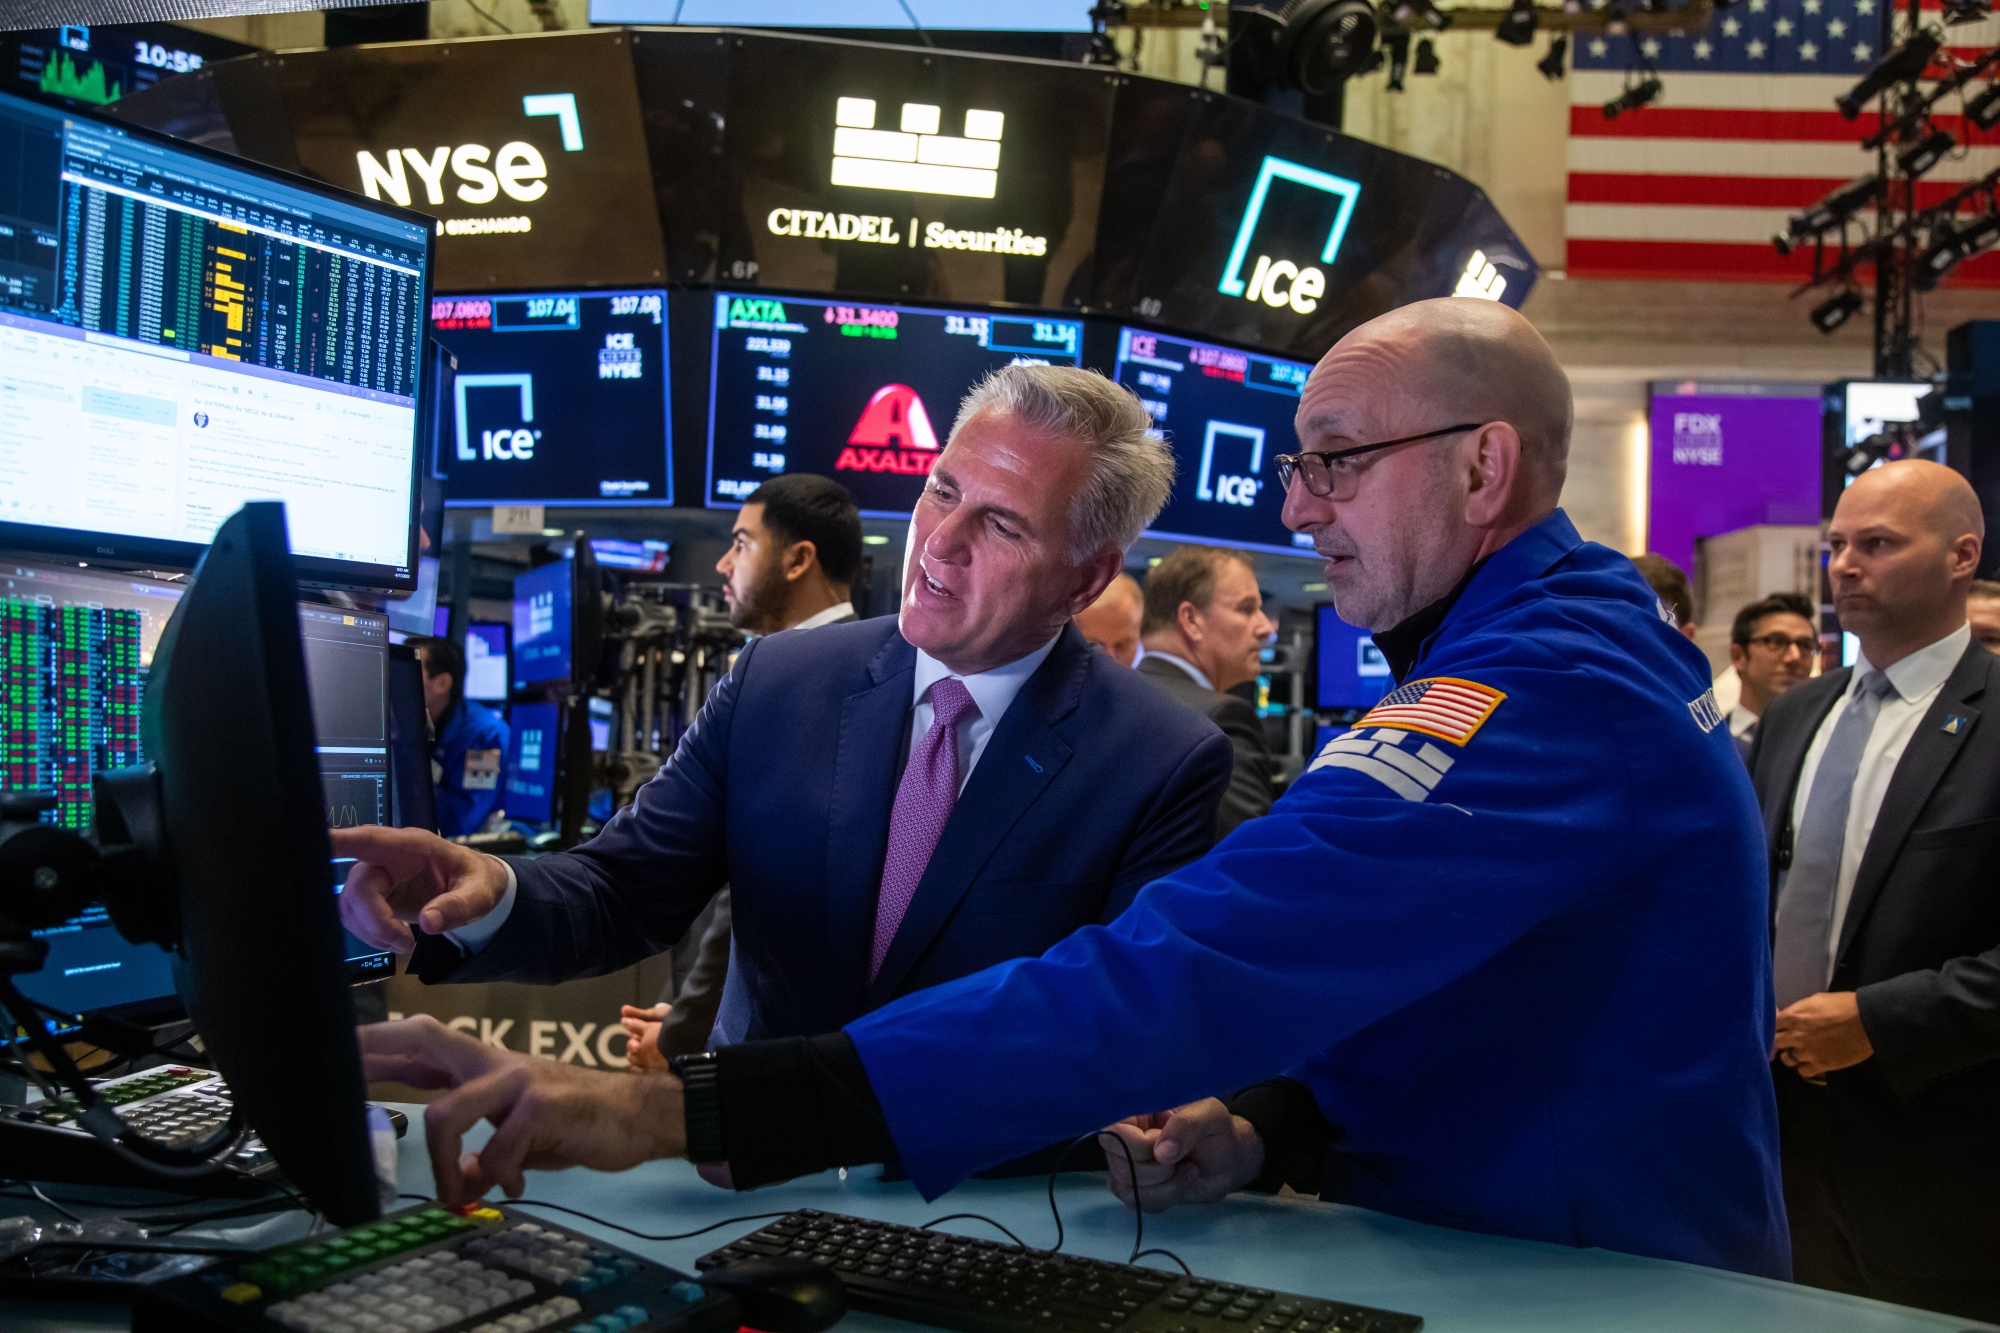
[504,443]
[1281,282]
[1220,487]
[914,156]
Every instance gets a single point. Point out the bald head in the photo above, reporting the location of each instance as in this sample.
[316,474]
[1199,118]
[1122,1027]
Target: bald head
[1905,541]
[1459,359]
[1112,621]
[1400,526]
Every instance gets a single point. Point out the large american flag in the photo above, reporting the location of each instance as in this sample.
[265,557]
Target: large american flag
[1694,185]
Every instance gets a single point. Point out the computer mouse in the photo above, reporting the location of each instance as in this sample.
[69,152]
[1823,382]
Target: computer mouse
[782,1295]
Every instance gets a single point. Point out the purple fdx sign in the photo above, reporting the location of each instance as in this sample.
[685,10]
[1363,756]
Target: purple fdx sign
[1728,456]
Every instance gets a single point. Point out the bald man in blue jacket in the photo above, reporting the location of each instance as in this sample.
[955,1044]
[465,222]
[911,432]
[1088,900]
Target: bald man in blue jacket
[1499,961]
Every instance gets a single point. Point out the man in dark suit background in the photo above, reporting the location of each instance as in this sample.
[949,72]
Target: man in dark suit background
[894,802]
[1204,627]
[793,553]
[1880,787]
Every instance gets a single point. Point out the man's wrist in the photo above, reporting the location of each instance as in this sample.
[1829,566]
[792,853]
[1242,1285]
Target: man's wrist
[663,1111]
[1249,1151]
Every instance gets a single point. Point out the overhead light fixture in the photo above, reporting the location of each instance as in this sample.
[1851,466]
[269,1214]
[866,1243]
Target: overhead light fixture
[1518,28]
[1839,205]
[1984,110]
[1310,45]
[1951,244]
[1427,58]
[1836,310]
[1397,44]
[1615,24]
[1906,62]
[1926,153]
[1634,97]
[1966,11]
[1551,65]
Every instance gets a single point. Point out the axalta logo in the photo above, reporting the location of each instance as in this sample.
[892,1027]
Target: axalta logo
[517,169]
[1224,487]
[505,443]
[894,434]
[914,157]
[1282,282]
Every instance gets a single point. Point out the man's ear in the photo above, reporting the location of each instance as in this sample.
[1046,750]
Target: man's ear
[799,559]
[1187,617]
[1495,464]
[1094,576]
[1739,657]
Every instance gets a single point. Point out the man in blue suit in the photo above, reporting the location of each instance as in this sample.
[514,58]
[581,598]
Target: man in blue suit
[896,802]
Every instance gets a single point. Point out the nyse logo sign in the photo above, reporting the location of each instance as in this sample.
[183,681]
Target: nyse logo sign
[894,434]
[1284,282]
[1230,488]
[517,169]
[508,443]
[915,157]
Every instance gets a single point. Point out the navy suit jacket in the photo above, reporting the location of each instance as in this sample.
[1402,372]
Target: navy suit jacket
[1093,784]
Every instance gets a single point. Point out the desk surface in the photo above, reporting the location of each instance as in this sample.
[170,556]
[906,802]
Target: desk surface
[1459,1282]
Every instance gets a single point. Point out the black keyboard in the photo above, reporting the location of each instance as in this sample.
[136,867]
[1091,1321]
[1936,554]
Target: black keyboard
[985,1286]
[432,1270]
[176,1106]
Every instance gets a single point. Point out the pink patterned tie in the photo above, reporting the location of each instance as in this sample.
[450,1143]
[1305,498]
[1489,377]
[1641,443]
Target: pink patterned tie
[923,803]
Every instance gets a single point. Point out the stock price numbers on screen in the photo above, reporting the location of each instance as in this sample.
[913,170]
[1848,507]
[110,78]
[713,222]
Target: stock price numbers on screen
[863,321]
[645,304]
[449,313]
[1029,339]
[513,314]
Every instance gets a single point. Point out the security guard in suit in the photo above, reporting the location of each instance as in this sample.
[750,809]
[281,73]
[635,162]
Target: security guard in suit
[471,743]
[1498,961]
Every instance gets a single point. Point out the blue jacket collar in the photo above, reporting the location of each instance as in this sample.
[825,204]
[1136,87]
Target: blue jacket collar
[1523,560]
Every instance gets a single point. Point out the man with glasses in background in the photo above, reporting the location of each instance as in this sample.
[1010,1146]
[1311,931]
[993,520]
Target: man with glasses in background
[1499,960]
[1772,645]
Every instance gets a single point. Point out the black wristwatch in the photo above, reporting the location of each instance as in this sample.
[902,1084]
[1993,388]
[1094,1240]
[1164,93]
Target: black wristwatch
[701,1105]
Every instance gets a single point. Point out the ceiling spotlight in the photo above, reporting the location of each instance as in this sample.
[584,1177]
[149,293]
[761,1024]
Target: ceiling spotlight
[1966,11]
[1951,244]
[1907,61]
[1632,98]
[1551,65]
[1835,311]
[1926,153]
[1839,205]
[1311,45]
[1614,21]
[1984,110]
[1427,58]
[1518,28]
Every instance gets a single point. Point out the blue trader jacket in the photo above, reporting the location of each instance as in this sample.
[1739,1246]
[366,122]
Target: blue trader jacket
[465,767]
[1510,930]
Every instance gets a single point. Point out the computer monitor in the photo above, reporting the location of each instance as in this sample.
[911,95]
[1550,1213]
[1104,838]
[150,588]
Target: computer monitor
[1227,413]
[182,332]
[93,65]
[1349,673]
[603,723]
[76,655]
[416,613]
[542,625]
[486,663]
[528,787]
[412,798]
[559,398]
[864,394]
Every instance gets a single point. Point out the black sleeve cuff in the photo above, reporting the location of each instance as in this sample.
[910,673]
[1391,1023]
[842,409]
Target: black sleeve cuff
[1296,1135]
[793,1107]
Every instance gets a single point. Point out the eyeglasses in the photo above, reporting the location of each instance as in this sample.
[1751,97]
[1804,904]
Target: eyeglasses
[1778,643]
[1332,475]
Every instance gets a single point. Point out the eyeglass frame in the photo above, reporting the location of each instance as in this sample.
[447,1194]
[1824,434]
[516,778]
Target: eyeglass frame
[1288,464]
[1807,647]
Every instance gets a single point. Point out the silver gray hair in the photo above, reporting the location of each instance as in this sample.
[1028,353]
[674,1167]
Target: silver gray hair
[1132,469]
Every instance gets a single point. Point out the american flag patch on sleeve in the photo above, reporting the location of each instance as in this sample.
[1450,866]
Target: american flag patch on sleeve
[1445,707]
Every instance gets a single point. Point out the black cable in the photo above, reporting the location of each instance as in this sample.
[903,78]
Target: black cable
[976,1217]
[37,1192]
[682,1235]
[488,17]
[1168,1253]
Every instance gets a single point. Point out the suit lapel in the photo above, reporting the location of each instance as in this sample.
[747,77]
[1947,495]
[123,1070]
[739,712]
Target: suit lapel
[865,766]
[1021,759]
[1917,774]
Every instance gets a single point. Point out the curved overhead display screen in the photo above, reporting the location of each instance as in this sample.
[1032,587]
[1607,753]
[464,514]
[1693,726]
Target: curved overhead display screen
[863,394]
[560,398]
[1227,414]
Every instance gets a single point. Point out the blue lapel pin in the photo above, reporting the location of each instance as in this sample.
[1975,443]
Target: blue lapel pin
[1954,724]
[1031,762]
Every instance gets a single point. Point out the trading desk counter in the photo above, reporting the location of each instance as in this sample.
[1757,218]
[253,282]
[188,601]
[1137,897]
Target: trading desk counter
[1457,1281]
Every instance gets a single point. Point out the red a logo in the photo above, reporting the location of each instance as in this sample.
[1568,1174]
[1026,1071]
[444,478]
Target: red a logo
[895,419]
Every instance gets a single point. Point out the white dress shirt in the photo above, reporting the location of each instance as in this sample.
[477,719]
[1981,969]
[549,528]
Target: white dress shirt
[833,615]
[992,691]
[1915,682]
[1741,720]
[1199,676]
